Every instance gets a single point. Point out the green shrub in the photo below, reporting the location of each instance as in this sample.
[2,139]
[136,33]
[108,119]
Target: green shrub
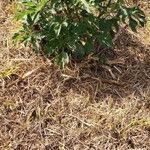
[64,28]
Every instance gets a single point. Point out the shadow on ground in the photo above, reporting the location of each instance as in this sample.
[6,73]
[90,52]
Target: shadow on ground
[125,71]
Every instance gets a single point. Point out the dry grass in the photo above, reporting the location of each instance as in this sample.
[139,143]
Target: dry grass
[85,107]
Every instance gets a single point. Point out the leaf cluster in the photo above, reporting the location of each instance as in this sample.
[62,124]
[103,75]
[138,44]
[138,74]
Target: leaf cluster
[63,28]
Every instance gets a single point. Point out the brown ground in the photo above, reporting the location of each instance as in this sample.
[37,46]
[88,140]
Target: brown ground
[85,107]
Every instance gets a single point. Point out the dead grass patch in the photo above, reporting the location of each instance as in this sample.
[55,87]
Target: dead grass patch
[86,107]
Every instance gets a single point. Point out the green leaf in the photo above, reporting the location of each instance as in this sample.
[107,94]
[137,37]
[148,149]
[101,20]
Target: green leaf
[29,20]
[79,52]
[35,45]
[89,47]
[50,47]
[133,24]
[86,5]
[41,4]
[15,36]
[36,18]
[142,21]
[124,11]
[62,59]
[58,29]
[21,15]
[105,39]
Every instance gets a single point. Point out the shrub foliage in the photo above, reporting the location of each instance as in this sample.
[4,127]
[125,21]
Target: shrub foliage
[62,28]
